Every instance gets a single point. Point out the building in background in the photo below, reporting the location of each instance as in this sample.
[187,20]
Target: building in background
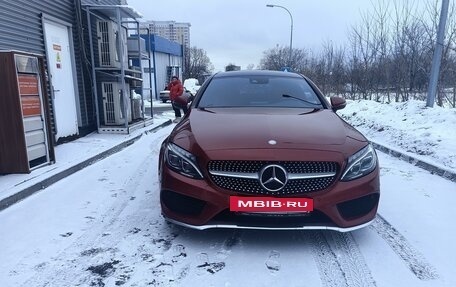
[53,30]
[232,67]
[171,30]
[167,61]
[55,90]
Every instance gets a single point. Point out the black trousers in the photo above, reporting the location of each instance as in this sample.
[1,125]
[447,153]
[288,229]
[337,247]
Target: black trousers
[177,108]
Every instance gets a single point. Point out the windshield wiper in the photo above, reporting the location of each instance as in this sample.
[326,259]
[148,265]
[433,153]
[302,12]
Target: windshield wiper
[309,112]
[205,109]
[302,100]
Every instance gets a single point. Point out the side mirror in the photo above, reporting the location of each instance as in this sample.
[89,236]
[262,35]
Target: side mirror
[337,103]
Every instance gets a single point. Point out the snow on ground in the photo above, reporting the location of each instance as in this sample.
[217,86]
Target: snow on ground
[410,126]
[156,103]
[102,225]
[69,154]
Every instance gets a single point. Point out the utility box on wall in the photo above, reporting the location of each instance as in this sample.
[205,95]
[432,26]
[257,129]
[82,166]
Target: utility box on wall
[25,143]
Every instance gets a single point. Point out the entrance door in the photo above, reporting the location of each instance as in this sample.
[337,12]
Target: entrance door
[60,61]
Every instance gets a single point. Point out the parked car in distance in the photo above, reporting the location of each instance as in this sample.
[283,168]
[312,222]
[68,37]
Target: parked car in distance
[164,96]
[266,150]
[192,85]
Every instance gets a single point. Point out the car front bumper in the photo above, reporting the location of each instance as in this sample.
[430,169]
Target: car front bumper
[235,226]
[199,204]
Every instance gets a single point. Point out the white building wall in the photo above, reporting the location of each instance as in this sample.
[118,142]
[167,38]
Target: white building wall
[162,61]
[148,77]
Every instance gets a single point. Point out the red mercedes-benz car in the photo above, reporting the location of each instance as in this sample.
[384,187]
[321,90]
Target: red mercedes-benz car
[266,150]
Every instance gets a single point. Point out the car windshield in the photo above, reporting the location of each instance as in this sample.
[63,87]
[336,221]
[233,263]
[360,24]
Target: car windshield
[259,91]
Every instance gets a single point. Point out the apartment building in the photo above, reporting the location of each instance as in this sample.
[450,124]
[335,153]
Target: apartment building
[171,30]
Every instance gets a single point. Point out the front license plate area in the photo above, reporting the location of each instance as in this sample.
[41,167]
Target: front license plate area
[271,204]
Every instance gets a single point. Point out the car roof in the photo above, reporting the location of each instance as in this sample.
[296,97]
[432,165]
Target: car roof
[247,73]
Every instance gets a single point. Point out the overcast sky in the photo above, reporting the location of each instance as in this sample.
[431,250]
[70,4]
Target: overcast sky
[239,31]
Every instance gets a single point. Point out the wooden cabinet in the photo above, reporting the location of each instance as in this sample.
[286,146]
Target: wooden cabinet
[24,113]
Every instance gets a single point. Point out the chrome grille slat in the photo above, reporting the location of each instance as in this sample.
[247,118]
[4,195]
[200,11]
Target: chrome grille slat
[243,176]
[292,176]
[235,174]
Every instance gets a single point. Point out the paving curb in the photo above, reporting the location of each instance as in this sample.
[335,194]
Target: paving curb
[7,202]
[445,173]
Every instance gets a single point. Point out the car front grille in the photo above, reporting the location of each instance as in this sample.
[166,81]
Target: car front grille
[244,176]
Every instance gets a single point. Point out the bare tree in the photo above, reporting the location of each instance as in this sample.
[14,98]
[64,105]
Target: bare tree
[364,53]
[278,58]
[382,80]
[250,67]
[389,53]
[388,50]
[274,59]
[333,61]
[197,63]
[327,69]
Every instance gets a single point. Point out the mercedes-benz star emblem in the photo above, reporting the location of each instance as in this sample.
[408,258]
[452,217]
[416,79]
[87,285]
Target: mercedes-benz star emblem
[273,177]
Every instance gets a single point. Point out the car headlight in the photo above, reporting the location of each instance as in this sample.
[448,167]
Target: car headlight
[360,164]
[181,161]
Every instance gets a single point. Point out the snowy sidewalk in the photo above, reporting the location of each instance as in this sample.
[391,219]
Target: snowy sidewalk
[70,158]
[418,135]
[416,160]
[425,133]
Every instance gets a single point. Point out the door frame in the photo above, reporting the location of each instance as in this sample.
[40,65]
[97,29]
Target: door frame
[53,20]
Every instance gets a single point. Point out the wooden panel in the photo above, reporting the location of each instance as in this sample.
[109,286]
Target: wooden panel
[12,140]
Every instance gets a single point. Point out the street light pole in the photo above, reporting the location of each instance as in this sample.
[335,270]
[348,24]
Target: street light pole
[437,58]
[291,31]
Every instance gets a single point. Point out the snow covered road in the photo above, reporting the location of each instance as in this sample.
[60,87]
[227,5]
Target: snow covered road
[102,227]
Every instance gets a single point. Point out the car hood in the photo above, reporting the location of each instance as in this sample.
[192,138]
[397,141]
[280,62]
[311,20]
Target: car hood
[230,128]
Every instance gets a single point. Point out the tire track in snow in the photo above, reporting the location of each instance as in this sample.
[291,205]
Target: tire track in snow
[331,273]
[414,260]
[339,260]
[348,253]
[69,265]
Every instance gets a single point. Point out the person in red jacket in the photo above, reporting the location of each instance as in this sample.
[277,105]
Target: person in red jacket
[175,91]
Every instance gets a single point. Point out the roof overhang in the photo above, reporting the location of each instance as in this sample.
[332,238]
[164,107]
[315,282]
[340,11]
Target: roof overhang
[111,10]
